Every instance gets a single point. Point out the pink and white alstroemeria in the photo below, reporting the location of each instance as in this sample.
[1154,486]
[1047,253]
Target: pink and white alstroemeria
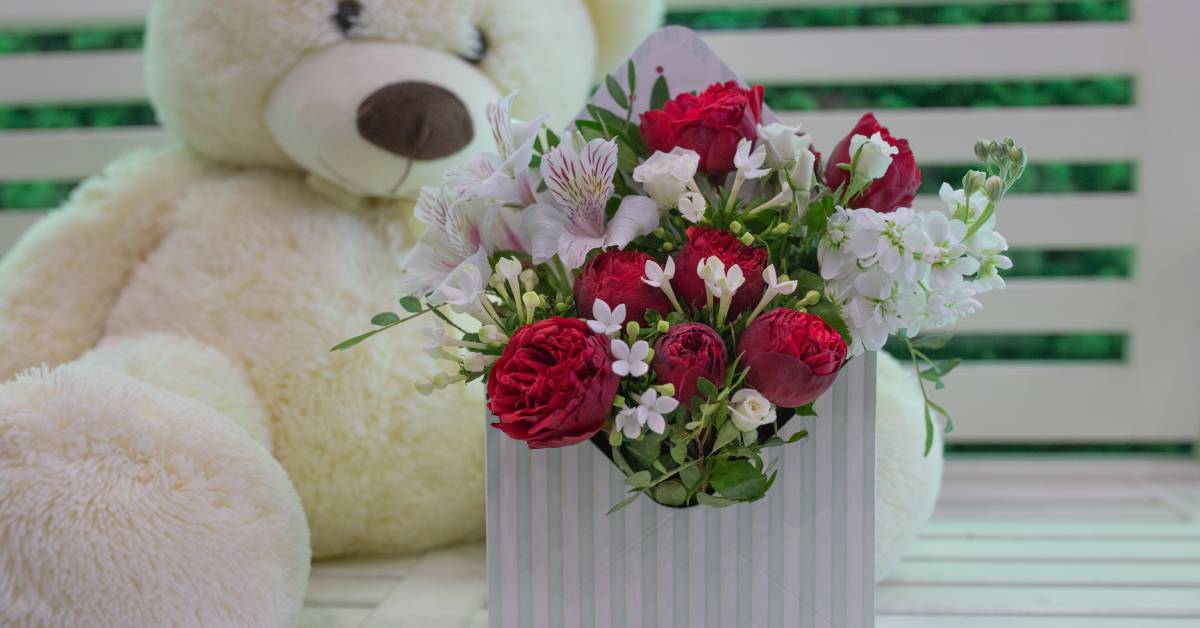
[503,178]
[579,177]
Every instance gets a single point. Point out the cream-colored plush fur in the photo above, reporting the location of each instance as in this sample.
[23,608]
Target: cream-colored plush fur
[209,279]
[906,481]
[126,505]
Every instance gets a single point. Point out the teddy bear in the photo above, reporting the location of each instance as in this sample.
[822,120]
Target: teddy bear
[175,435]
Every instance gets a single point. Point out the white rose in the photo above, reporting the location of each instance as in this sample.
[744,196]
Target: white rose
[666,176]
[876,155]
[782,142]
[749,410]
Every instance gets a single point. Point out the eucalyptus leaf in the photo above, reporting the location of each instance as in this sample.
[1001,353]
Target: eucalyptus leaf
[387,318]
[641,479]
[670,493]
[727,434]
[660,94]
[614,90]
[713,501]
[623,503]
[412,305]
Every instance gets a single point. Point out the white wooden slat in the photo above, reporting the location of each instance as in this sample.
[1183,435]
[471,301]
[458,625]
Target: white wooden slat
[68,154]
[1065,221]
[68,77]
[1007,621]
[1054,402]
[1017,601]
[940,136]
[13,223]
[1044,572]
[1053,305]
[1103,469]
[916,53]
[1036,510]
[63,14]
[1093,530]
[1061,490]
[1146,551]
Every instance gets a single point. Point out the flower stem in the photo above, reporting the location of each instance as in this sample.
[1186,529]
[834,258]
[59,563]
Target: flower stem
[670,292]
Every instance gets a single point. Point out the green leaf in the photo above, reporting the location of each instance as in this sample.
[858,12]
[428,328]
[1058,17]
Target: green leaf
[412,305]
[660,94]
[808,410]
[728,434]
[693,425]
[631,78]
[646,449]
[706,388]
[704,499]
[641,479]
[387,318]
[928,430]
[931,341]
[621,462]
[670,493]
[623,503]
[614,90]
[738,480]
[798,436]
[806,281]
[627,160]
[346,344]
[679,453]
[690,477]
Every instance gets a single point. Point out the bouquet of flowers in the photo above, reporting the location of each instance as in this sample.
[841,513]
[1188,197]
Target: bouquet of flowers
[676,285]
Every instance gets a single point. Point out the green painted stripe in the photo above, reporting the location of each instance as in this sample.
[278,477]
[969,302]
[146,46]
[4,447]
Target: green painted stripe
[1090,347]
[1045,177]
[34,194]
[1081,449]
[1114,91]
[949,13]
[105,115]
[71,41]
[1106,262]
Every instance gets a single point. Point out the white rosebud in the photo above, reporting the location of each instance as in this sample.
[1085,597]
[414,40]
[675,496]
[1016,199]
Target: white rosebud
[666,176]
[749,410]
[782,142]
[876,155]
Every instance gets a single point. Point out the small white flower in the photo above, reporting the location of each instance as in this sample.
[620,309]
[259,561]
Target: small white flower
[651,409]
[710,269]
[628,424]
[733,280]
[784,197]
[657,275]
[606,320]
[435,337]
[666,176]
[630,361]
[776,286]
[477,362]
[876,155]
[509,268]
[692,206]
[749,410]
[491,335]
[749,163]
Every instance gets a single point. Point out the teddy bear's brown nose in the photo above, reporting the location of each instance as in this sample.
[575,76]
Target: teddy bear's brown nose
[415,119]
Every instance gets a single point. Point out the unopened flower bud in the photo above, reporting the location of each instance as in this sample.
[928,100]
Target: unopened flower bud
[440,381]
[496,281]
[663,326]
[619,402]
[1009,142]
[994,188]
[747,239]
[666,390]
[997,150]
[660,233]
[668,247]
[812,298]
[425,387]
[782,228]
[476,362]
[561,307]
[650,356]
[543,302]
[633,329]
[736,227]
[529,279]
[490,334]
[531,300]
[983,149]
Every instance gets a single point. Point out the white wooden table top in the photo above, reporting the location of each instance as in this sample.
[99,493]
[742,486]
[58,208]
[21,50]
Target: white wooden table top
[1016,543]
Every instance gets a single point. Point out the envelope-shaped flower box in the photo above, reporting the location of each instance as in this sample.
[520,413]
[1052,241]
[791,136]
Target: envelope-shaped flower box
[801,557]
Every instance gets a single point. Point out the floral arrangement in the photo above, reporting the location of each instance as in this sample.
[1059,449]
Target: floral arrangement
[676,285]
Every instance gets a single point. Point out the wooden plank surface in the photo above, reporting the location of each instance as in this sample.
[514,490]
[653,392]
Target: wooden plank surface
[67,77]
[68,154]
[47,15]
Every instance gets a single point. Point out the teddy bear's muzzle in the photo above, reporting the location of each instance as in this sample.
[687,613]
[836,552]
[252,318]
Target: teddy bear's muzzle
[416,119]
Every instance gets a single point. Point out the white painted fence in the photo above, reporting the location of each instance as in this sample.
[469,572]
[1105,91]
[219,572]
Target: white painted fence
[1152,396]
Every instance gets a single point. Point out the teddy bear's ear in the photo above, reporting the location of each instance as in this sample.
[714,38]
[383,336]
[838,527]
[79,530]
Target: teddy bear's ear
[620,26]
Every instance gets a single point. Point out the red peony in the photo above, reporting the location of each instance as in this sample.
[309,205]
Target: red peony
[554,385]
[705,242]
[711,124]
[896,188]
[616,277]
[685,354]
[793,356]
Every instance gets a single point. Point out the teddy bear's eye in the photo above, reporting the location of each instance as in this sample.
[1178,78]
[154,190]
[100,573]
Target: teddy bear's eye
[348,14]
[480,50]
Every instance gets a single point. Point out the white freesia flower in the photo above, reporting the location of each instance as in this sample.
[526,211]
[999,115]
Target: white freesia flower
[749,410]
[749,162]
[666,176]
[803,176]
[630,361]
[579,177]
[606,320]
[692,206]
[876,156]
[651,409]
[628,424]
[435,337]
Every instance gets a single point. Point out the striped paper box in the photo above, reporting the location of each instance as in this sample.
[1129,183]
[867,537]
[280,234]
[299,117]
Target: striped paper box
[802,557]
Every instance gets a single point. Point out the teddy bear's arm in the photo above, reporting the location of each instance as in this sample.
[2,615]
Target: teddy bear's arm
[59,282]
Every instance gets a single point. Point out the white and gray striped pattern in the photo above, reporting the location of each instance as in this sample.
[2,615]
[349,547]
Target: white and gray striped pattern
[800,558]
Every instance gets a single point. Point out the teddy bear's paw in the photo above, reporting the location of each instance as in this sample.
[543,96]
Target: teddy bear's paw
[122,504]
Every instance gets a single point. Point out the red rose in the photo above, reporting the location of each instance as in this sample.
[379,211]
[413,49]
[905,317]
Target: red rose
[896,188]
[705,242]
[793,356]
[615,277]
[553,386]
[685,354]
[711,124]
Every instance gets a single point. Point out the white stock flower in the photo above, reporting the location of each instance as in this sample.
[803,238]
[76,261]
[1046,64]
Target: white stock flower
[876,155]
[630,361]
[606,320]
[666,176]
[692,206]
[749,162]
[657,276]
[749,410]
[782,143]
[579,177]
[956,199]
[628,424]
[651,409]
